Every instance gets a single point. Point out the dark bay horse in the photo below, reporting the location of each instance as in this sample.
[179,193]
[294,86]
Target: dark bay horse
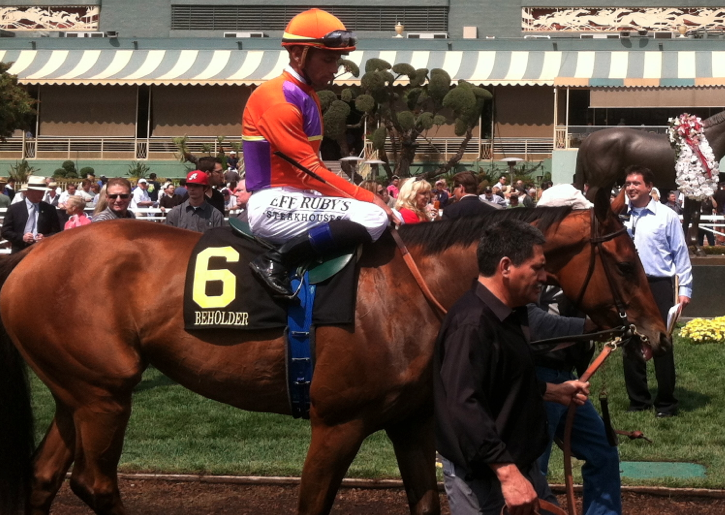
[605,154]
[90,346]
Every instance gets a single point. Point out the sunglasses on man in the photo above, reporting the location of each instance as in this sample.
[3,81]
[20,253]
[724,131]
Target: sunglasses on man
[123,196]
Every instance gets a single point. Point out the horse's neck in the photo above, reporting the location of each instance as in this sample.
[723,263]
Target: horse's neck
[715,135]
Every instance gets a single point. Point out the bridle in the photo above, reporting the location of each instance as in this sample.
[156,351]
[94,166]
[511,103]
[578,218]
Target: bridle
[626,329]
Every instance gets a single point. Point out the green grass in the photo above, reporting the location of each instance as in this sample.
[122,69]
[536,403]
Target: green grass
[175,431]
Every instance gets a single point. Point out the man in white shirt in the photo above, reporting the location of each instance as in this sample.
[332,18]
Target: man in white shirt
[70,191]
[141,196]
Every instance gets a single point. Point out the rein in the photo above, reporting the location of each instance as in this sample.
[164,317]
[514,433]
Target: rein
[625,333]
[410,263]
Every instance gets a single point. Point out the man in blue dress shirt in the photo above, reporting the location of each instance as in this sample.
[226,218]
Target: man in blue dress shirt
[661,246]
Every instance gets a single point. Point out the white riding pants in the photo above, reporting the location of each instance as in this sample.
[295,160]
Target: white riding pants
[279,214]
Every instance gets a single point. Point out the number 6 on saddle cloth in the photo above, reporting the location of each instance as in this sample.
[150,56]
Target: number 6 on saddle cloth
[221,293]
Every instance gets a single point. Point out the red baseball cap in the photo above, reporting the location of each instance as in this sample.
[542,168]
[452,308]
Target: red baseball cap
[197,177]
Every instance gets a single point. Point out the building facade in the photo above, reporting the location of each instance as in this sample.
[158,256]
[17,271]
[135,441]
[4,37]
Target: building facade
[117,80]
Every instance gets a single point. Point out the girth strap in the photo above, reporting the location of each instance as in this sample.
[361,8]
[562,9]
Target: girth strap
[299,349]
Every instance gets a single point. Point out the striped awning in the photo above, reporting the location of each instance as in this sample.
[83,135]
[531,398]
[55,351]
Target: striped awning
[495,67]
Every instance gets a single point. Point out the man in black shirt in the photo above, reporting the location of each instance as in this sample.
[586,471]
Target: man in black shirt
[489,406]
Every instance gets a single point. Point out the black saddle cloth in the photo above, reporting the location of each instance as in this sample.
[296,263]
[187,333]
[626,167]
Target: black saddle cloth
[221,292]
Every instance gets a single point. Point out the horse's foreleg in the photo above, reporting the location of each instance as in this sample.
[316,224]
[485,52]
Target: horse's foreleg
[414,443]
[52,460]
[100,430]
[331,451]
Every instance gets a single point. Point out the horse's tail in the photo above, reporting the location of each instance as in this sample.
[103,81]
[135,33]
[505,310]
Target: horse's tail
[16,415]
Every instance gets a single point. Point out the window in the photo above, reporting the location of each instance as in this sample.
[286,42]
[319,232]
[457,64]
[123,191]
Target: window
[267,18]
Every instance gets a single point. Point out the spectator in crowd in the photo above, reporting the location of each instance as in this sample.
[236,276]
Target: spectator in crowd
[70,191]
[31,220]
[465,187]
[242,196]
[672,202]
[52,196]
[231,176]
[84,192]
[169,199]
[556,316]
[4,199]
[232,164]
[195,213]
[490,197]
[413,201]
[9,189]
[154,188]
[524,198]
[660,243]
[382,192]
[393,190]
[655,194]
[75,207]
[96,192]
[546,185]
[230,201]
[141,198]
[707,207]
[504,186]
[441,194]
[489,407]
[514,201]
[117,199]
[181,189]
[212,166]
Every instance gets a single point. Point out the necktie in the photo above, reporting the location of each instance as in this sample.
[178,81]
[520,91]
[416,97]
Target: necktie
[30,225]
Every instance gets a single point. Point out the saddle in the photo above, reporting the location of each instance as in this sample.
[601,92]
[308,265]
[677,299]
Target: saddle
[318,271]
[222,293]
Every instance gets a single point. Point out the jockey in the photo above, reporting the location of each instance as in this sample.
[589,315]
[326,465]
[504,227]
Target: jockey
[307,217]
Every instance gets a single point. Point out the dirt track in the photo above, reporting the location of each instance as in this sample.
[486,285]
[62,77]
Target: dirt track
[160,497]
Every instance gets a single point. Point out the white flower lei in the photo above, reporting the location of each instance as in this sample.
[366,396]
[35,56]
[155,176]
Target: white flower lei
[691,149]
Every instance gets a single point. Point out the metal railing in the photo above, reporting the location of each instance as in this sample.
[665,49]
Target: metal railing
[102,147]
[163,148]
[573,135]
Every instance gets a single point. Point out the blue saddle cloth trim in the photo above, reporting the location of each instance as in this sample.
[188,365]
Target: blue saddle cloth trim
[299,355]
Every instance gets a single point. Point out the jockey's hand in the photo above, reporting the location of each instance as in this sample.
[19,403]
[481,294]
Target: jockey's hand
[391,216]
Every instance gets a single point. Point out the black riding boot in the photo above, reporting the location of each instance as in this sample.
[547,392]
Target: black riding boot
[274,266]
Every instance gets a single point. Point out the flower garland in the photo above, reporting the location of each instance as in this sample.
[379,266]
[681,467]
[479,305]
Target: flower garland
[695,164]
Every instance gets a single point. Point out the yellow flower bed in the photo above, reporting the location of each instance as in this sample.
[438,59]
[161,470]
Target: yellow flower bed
[700,330]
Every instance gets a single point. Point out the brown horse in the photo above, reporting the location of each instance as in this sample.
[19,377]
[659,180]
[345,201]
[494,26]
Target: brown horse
[90,346]
[604,155]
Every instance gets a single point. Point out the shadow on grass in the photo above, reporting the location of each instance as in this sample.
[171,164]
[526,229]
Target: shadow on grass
[154,382]
[690,400]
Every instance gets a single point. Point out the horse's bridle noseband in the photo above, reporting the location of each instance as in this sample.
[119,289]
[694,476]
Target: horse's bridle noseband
[628,330]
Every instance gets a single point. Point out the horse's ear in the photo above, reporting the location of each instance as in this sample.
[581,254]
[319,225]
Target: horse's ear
[602,206]
[618,204]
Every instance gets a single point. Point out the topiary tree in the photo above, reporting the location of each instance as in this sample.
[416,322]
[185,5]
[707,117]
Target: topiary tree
[16,106]
[402,117]
[86,170]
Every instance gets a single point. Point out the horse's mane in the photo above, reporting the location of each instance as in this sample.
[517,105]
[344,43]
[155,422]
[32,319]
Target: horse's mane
[715,119]
[435,237]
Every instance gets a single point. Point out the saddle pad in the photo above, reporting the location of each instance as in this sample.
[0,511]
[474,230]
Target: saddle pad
[221,293]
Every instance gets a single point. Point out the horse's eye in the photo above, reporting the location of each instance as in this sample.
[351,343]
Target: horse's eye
[625,267]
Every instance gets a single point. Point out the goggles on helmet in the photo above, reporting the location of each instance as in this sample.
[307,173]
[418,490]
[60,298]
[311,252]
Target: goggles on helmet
[331,40]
